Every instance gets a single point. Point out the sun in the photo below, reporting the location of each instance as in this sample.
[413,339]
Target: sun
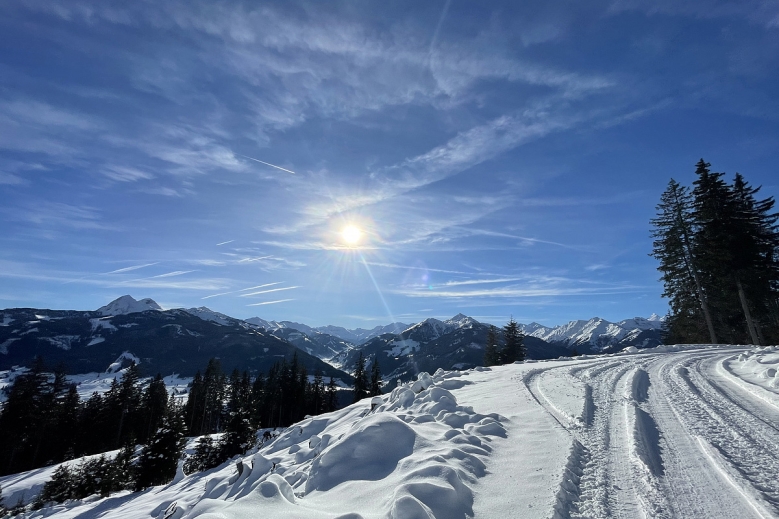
[351,234]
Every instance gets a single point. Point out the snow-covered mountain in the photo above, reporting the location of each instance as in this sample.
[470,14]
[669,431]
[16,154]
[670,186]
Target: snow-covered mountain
[362,335]
[455,343]
[128,305]
[165,341]
[354,336]
[597,334]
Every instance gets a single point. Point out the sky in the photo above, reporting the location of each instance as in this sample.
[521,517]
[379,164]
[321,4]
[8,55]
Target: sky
[497,159]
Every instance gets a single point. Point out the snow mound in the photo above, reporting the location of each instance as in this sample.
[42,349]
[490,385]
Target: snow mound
[416,446]
[128,305]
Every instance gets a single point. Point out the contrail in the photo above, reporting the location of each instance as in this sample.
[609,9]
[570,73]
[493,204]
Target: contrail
[271,302]
[266,163]
[134,267]
[225,242]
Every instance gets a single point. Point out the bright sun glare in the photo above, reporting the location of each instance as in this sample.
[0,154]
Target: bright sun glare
[351,234]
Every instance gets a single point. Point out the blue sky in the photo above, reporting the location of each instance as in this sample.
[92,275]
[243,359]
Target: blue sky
[499,158]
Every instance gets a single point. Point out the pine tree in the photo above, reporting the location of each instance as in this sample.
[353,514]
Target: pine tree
[159,459]
[754,261]
[513,346]
[673,247]
[58,489]
[360,379]
[331,398]
[375,385]
[206,456]
[239,434]
[491,353]
[123,468]
[23,420]
[153,408]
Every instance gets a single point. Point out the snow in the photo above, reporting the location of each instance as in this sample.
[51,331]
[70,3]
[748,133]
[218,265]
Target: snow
[128,305]
[674,431]
[101,322]
[401,348]
[6,320]
[96,340]
[596,331]
[209,315]
[6,343]
[63,341]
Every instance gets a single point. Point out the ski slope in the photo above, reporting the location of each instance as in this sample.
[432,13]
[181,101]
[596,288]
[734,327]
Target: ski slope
[673,432]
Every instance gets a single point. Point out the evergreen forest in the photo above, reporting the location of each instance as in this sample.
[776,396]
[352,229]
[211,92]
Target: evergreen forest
[717,244]
[44,422]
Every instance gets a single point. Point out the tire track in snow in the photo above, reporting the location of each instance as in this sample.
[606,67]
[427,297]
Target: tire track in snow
[689,410]
[750,444]
[596,481]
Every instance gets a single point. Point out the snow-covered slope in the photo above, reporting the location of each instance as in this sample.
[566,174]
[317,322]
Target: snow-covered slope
[598,334]
[676,431]
[128,305]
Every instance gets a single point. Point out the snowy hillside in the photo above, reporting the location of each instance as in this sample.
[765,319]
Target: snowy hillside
[675,431]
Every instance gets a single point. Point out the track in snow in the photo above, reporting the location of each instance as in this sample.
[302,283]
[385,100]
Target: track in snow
[669,435]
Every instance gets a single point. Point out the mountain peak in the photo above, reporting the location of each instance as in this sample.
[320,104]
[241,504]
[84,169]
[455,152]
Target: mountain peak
[128,305]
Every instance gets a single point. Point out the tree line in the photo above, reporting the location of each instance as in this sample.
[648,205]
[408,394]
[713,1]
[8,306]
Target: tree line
[44,422]
[718,248]
[506,346]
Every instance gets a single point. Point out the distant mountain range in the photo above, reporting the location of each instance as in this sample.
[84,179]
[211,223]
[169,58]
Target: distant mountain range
[169,341]
[183,340]
[598,335]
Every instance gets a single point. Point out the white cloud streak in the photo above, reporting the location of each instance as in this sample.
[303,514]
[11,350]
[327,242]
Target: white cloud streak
[134,267]
[271,302]
[267,291]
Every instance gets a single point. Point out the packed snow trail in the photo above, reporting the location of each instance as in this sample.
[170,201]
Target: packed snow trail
[671,432]
[662,435]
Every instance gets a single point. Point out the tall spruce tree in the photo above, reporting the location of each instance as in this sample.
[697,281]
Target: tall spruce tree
[375,384]
[360,379]
[717,249]
[513,343]
[673,247]
[754,262]
[331,396]
[159,458]
[491,353]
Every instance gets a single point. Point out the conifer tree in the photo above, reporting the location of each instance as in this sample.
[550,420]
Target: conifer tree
[717,249]
[159,459]
[491,353]
[123,468]
[239,434]
[513,346]
[360,379]
[59,488]
[375,384]
[206,456]
[331,399]
[673,247]
[154,405]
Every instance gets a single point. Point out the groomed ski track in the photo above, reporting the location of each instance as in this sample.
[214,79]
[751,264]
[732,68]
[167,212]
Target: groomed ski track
[665,435]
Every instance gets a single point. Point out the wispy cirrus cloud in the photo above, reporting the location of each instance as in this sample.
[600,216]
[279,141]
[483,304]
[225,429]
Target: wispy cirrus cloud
[260,292]
[270,302]
[131,268]
[242,290]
